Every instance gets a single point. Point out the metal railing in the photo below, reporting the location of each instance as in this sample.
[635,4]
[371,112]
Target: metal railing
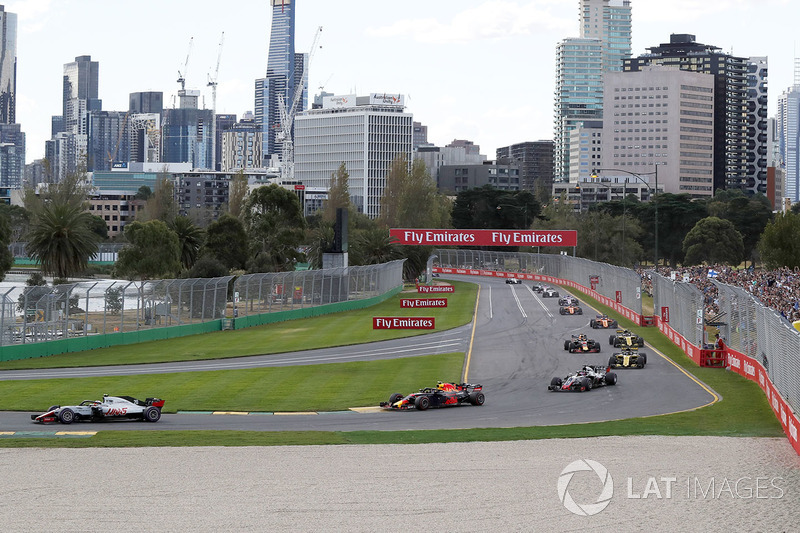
[684,304]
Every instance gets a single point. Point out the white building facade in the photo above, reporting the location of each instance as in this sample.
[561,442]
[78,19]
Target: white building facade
[788,121]
[366,133]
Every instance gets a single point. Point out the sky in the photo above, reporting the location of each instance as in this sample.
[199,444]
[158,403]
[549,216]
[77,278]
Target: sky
[481,70]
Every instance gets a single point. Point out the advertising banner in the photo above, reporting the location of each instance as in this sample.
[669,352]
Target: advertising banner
[483,237]
[398,322]
[415,303]
[434,289]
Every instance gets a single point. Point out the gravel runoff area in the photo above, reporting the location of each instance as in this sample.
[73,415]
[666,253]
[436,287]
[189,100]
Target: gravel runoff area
[717,484]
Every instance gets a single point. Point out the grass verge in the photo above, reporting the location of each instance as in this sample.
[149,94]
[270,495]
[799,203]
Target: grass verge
[340,329]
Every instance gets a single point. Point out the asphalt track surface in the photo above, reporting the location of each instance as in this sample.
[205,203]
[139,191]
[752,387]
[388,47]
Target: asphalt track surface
[516,349]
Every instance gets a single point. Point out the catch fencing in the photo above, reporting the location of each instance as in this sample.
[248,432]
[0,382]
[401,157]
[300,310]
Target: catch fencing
[89,309]
[618,284]
[681,305]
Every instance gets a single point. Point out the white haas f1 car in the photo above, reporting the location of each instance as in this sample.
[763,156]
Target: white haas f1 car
[110,407]
[443,395]
[585,379]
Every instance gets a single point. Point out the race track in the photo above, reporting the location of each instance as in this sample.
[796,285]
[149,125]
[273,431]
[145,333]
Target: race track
[516,349]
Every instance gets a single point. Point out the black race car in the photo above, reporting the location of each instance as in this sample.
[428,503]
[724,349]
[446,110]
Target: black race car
[585,379]
[538,288]
[443,395]
[603,321]
[628,358]
[625,338]
[549,292]
[581,344]
[513,281]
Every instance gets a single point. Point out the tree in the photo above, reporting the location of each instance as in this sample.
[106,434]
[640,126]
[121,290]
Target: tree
[749,215]
[338,195]
[99,226]
[713,240]
[207,267]
[779,245]
[677,214]
[61,239]
[411,200]
[143,193]
[114,300]
[153,251]
[19,219]
[161,205]
[275,228]
[226,242]
[237,194]
[490,208]
[190,240]
[6,257]
[373,246]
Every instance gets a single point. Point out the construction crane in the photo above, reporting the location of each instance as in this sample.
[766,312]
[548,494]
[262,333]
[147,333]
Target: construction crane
[212,82]
[182,73]
[287,117]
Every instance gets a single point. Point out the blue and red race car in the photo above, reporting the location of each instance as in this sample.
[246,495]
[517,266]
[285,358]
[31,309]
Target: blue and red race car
[443,395]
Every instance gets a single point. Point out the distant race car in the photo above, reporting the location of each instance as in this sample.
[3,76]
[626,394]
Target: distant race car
[443,395]
[549,292]
[625,338]
[570,310]
[513,281]
[538,287]
[110,407]
[585,379]
[603,321]
[628,358]
[581,344]
[568,300]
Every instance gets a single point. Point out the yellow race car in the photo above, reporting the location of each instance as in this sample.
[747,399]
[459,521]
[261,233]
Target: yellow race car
[628,358]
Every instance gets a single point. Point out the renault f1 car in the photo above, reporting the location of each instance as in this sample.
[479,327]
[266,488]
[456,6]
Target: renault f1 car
[513,281]
[568,300]
[585,379]
[628,358]
[603,321]
[570,310]
[581,344]
[443,395]
[625,338]
[549,292]
[110,407]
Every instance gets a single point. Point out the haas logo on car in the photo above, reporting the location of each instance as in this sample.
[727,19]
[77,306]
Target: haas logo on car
[114,411]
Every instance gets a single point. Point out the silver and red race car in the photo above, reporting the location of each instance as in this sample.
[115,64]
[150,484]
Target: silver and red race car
[443,395]
[585,379]
[110,407]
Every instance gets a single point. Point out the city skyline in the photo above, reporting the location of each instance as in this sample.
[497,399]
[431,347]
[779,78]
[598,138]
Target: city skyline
[477,70]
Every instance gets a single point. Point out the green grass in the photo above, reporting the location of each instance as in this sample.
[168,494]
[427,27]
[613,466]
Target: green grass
[742,412]
[329,387]
[340,329]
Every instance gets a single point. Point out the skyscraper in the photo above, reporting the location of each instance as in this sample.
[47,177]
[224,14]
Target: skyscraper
[8,66]
[605,39]
[284,72]
[788,120]
[734,109]
[80,92]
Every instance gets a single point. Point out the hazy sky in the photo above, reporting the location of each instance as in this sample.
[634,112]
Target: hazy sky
[470,69]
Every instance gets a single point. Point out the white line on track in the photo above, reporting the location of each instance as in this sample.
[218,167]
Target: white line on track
[541,303]
[519,304]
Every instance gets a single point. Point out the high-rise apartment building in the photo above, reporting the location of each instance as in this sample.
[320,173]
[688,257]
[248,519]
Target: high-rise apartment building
[146,102]
[107,139]
[788,123]
[8,66]
[284,72]
[366,133]
[734,109]
[222,123]
[535,160]
[605,39]
[241,145]
[80,92]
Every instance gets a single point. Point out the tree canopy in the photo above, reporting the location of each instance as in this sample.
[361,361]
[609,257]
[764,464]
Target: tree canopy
[779,245]
[713,240]
[153,251]
[275,228]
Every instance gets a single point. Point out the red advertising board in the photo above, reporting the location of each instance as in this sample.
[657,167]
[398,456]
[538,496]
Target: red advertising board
[665,314]
[401,322]
[619,297]
[483,237]
[433,289]
[423,302]
[299,187]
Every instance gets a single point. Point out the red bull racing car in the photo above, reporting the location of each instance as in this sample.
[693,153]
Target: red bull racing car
[110,407]
[603,321]
[581,344]
[443,395]
[585,379]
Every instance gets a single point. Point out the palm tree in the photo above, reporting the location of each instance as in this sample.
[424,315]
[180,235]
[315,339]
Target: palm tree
[191,240]
[61,238]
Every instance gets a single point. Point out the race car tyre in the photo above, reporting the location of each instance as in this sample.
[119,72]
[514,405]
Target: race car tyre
[643,357]
[611,378]
[640,341]
[612,361]
[151,414]
[556,383]
[592,323]
[587,383]
[477,398]
[66,416]
[561,311]
[422,403]
[53,407]
[640,363]
[394,398]
[611,340]
[580,311]
[566,345]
